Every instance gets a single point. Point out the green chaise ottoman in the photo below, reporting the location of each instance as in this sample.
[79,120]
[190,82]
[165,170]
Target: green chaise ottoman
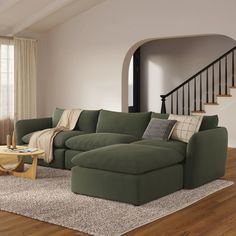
[128,173]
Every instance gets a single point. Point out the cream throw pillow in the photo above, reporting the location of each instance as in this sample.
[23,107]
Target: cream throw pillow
[185,126]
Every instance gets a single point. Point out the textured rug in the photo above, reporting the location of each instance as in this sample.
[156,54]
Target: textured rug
[49,199]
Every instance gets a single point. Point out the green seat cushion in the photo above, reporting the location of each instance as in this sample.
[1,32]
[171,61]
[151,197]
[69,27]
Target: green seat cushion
[69,154]
[96,140]
[128,158]
[123,123]
[172,144]
[26,138]
[134,189]
[60,139]
[87,121]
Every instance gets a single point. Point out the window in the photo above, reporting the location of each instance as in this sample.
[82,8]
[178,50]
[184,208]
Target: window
[7,96]
[6,81]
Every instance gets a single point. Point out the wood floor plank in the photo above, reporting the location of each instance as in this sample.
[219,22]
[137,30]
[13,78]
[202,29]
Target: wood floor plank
[66,232]
[202,216]
[213,216]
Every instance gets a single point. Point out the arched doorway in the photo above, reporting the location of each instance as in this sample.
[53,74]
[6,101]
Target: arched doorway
[165,63]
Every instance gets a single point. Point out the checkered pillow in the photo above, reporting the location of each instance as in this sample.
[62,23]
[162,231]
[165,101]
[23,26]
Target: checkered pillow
[185,127]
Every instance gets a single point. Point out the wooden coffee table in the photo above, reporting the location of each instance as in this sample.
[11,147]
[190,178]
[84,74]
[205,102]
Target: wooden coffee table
[18,170]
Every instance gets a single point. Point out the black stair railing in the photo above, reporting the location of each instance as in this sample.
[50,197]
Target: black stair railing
[203,92]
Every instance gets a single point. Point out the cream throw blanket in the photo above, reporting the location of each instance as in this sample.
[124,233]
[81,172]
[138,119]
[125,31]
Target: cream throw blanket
[44,139]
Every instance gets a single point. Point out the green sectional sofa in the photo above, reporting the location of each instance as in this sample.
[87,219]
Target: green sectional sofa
[109,159]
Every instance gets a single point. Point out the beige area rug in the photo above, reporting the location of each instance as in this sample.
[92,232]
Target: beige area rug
[49,199]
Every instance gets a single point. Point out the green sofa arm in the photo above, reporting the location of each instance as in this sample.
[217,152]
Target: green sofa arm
[24,127]
[206,157]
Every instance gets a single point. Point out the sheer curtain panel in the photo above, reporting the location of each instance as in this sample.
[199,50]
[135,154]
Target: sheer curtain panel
[25,78]
[6,88]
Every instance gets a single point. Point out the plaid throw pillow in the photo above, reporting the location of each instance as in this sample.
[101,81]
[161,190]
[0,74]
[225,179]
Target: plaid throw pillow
[159,129]
[185,127]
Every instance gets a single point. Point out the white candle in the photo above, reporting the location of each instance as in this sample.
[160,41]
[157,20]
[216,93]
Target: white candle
[8,141]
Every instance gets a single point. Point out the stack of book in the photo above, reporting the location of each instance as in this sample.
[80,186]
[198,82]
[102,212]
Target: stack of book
[21,150]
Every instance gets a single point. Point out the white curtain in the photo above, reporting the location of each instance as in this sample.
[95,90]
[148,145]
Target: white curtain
[25,78]
[6,88]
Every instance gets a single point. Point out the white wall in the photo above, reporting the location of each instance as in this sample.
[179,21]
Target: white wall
[226,112]
[87,56]
[167,63]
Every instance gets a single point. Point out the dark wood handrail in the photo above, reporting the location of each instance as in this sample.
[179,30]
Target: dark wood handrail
[198,73]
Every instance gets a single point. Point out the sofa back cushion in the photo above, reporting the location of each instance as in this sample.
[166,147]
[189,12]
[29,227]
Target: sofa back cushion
[123,123]
[208,122]
[87,121]
[159,115]
[56,116]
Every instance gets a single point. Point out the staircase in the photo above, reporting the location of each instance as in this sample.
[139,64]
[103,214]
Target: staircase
[210,91]
[204,88]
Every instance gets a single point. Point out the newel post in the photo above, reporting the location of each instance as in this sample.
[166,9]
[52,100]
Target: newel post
[163,104]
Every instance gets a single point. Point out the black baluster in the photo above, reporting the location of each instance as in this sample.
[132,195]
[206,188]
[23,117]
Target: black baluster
[219,77]
[183,101]
[207,87]
[226,75]
[195,95]
[213,84]
[233,69]
[177,103]
[163,104]
[200,92]
[171,106]
[188,98]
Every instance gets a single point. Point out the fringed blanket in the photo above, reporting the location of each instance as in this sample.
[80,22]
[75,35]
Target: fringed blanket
[44,139]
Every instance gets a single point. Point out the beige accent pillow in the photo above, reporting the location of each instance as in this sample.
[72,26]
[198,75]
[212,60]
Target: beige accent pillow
[185,126]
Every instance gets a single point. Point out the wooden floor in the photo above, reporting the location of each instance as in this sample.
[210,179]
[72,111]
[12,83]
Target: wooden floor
[214,215]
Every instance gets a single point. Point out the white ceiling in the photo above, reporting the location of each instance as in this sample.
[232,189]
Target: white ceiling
[39,15]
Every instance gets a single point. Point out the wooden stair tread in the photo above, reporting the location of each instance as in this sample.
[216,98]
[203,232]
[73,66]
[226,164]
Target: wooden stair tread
[199,111]
[211,103]
[228,95]
[233,87]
